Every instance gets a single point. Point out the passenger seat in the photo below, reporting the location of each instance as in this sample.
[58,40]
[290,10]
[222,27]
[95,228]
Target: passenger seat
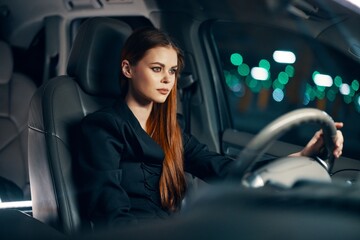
[16,91]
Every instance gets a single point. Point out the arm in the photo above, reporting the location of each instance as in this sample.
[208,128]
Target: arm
[104,200]
[202,163]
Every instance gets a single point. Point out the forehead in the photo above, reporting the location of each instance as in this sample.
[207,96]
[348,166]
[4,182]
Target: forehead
[164,55]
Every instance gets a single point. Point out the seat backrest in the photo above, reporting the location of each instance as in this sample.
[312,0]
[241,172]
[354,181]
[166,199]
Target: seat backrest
[16,91]
[56,111]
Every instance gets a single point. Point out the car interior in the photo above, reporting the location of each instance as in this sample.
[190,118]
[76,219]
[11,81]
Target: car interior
[60,62]
[91,84]
[14,179]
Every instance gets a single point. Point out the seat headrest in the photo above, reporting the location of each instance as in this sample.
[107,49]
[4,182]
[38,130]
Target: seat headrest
[6,63]
[94,59]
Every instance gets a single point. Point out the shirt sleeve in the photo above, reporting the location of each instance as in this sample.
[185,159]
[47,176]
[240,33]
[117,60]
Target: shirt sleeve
[103,199]
[202,163]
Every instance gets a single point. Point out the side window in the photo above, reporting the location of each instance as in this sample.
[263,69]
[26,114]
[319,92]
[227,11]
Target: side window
[30,61]
[268,72]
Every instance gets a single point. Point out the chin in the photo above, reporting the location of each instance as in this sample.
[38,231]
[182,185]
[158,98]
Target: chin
[160,99]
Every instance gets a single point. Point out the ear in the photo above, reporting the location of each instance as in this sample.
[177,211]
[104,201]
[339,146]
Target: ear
[126,68]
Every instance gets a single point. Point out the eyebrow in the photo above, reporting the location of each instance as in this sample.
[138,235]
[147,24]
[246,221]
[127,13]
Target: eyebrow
[163,65]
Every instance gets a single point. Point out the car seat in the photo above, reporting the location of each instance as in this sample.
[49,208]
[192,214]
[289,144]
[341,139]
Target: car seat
[16,91]
[56,110]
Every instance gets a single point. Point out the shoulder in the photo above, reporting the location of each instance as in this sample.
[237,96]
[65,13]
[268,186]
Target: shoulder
[103,115]
[108,117]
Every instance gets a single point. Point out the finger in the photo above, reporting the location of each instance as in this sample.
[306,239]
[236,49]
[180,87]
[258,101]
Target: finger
[339,125]
[318,136]
[316,139]
[339,141]
[337,154]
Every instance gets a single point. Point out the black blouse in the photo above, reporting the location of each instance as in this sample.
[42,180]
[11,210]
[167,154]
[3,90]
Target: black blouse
[120,167]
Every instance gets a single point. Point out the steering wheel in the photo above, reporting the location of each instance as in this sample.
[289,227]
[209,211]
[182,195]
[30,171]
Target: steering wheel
[273,131]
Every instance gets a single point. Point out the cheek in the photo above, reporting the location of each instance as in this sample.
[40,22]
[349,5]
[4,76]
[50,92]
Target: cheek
[173,83]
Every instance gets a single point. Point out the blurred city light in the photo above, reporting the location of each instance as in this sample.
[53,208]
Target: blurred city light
[259,73]
[278,95]
[236,59]
[243,69]
[338,81]
[264,64]
[258,78]
[323,80]
[277,84]
[284,57]
[290,70]
[283,78]
[355,85]
[345,89]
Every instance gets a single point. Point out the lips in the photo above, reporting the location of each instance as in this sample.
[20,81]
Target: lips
[163,91]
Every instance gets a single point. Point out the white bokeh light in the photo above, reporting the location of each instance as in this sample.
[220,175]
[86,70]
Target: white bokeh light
[284,57]
[259,73]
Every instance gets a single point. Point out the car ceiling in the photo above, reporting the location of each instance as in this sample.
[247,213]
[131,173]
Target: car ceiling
[332,23]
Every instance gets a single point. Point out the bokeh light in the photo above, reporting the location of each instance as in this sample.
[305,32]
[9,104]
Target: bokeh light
[283,78]
[284,56]
[243,70]
[259,73]
[278,95]
[236,59]
[290,70]
[264,64]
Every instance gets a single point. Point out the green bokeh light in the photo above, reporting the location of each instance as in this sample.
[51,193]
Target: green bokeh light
[347,99]
[338,81]
[290,70]
[320,94]
[264,64]
[233,82]
[236,59]
[244,70]
[355,85]
[314,74]
[277,84]
[320,88]
[283,78]
[352,92]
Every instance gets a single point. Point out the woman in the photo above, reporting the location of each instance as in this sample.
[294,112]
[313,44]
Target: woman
[134,154]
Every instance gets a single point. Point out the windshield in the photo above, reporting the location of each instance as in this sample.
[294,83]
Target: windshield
[270,71]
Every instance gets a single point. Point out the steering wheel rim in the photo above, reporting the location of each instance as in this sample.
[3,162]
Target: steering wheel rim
[273,131]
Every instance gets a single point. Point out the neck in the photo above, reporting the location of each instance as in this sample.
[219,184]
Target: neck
[140,110]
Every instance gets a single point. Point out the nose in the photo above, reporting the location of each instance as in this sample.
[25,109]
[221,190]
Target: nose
[166,78]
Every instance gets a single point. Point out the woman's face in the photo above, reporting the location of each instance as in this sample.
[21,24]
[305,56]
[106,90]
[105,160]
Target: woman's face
[153,77]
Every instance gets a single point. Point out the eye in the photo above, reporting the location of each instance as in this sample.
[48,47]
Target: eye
[173,71]
[156,69]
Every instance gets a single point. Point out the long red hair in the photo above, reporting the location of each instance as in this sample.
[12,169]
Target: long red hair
[162,124]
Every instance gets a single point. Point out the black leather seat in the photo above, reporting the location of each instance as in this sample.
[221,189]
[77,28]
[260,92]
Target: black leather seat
[56,110]
[16,91]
